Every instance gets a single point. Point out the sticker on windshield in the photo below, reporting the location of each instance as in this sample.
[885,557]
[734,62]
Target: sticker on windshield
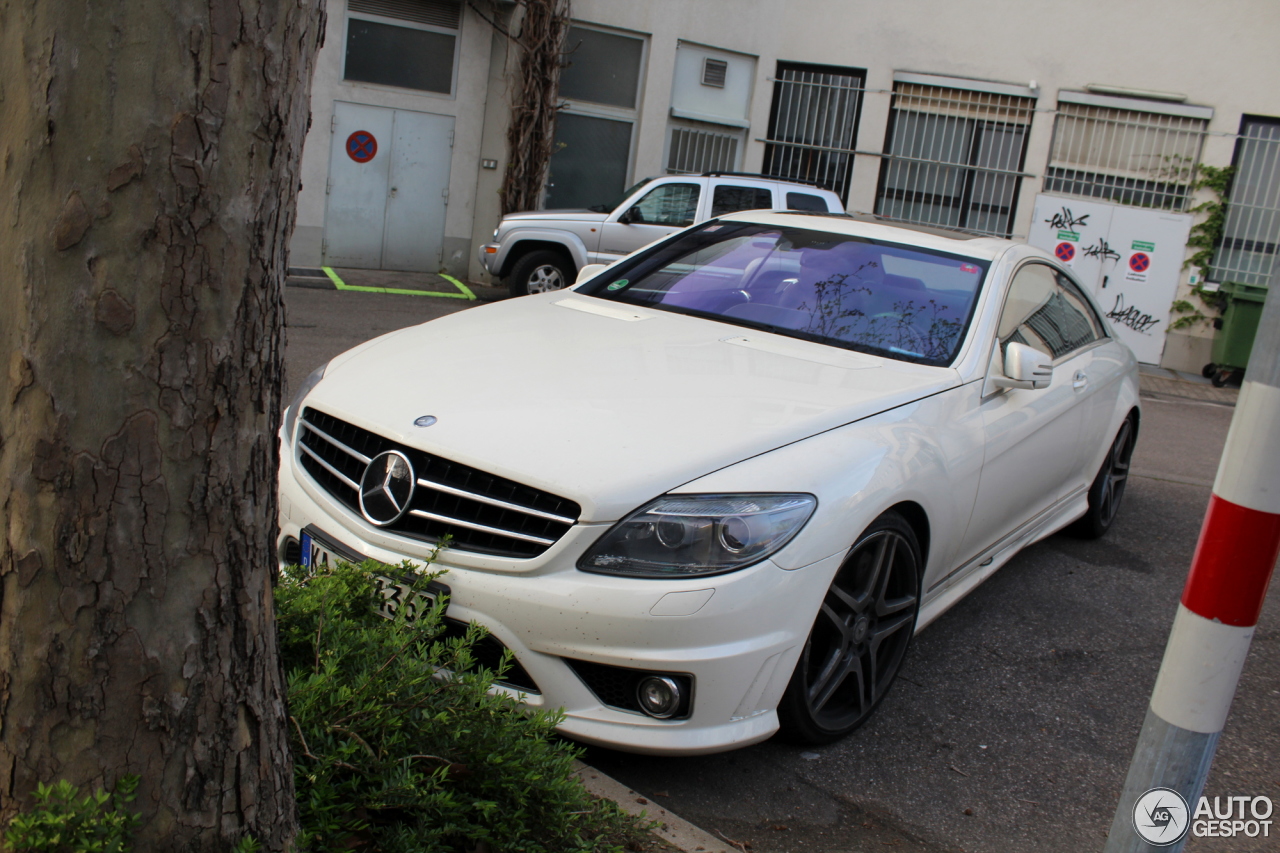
[619,284]
[970,268]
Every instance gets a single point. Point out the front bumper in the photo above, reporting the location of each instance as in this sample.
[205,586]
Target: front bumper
[739,642]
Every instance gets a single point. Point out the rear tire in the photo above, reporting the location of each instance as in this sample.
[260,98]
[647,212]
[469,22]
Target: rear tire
[1109,485]
[540,271]
[859,637]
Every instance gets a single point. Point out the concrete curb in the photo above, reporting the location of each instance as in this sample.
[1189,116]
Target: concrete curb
[672,828]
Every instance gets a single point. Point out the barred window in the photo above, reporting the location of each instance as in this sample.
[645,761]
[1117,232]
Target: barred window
[813,123]
[954,157]
[693,149]
[1144,159]
[1252,228]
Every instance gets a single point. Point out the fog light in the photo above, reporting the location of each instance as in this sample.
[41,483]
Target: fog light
[658,696]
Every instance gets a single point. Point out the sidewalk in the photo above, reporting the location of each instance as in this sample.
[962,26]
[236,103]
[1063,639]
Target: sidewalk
[428,284]
[1161,383]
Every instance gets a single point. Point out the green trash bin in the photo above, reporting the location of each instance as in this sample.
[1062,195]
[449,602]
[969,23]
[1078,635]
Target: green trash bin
[1236,330]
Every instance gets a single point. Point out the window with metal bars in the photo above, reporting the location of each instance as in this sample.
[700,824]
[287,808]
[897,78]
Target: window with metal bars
[1144,159]
[954,157]
[813,123]
[1252,228]
[692,150]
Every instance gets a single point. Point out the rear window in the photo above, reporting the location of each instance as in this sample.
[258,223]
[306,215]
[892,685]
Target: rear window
[731,199]
[887,299]
[805,201]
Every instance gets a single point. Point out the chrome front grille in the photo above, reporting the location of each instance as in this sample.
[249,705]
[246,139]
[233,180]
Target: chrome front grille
[480,512]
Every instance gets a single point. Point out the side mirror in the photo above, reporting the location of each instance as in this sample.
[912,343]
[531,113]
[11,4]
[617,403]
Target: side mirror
[631,215]
[1025,367]
[589,271]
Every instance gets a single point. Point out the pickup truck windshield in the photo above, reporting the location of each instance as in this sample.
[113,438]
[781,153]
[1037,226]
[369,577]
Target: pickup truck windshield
[616,200]
[887,299]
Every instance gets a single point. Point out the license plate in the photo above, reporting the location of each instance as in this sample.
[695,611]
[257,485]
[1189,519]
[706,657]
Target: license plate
[394,593]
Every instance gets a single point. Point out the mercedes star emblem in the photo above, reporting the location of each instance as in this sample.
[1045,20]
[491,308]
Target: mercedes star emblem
[386,488]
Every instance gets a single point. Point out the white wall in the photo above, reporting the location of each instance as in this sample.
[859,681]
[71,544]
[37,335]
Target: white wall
[467,106]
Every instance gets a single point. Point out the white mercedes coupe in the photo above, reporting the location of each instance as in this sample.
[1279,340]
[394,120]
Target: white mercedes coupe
[714,489]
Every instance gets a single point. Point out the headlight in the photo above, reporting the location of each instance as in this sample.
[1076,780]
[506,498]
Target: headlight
[691,535]
[291,413]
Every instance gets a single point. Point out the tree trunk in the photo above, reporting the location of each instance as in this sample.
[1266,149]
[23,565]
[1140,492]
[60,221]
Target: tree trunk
[535,94]
[149,157]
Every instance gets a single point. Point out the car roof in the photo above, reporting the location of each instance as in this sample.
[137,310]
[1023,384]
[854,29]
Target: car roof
[879,228]
[745,178]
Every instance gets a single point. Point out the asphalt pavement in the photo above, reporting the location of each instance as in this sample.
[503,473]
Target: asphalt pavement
[1015,716]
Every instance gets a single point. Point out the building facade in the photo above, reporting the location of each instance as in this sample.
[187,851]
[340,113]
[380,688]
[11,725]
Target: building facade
[1083,128]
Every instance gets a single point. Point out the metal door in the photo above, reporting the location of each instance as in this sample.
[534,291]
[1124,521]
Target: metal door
[421,151]
[1130,258]
[1137,300]
[357,189]
[388,182]
[1077,231]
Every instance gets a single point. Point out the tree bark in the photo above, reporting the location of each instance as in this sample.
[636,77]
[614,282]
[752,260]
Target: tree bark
[149,156]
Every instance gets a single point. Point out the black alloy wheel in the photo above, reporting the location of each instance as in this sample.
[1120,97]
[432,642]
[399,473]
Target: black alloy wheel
[540,271]
[1108,487]
[860,637]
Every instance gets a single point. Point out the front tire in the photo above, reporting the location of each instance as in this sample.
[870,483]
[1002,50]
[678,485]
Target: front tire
[860,637]
[1109,485]
[540,271]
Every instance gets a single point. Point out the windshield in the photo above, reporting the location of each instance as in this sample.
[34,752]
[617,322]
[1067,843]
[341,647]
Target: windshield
[616,200]
[887,299]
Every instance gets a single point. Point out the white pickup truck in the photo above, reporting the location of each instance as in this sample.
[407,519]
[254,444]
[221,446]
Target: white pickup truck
[542,250]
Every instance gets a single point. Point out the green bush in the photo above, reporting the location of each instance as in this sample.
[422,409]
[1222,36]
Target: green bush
[64,822]
[400,746]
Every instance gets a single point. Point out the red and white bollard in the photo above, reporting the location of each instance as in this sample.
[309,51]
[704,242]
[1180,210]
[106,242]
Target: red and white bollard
[1237,552]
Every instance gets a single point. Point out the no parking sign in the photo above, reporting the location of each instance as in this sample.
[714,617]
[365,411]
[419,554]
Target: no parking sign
[1065,252]
[1139,263]
[362,146]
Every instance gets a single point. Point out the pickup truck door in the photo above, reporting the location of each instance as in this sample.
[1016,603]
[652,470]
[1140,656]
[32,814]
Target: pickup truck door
[659,212]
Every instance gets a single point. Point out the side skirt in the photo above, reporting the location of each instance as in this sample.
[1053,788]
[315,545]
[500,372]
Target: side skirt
[958,583]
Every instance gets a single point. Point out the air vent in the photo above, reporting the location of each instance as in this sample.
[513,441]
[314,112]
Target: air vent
[713,72]
[435,13]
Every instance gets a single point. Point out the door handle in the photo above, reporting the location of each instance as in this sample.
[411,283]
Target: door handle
[1079,380]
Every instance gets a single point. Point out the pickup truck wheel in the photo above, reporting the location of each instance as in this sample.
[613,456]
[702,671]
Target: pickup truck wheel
[539,272]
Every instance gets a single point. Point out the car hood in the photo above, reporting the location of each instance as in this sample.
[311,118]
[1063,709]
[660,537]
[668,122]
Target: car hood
[562,215]
[607,404]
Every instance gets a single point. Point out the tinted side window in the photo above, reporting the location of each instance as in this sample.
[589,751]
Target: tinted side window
[729,199]
[669,204]
[805,201]
[1041,313]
